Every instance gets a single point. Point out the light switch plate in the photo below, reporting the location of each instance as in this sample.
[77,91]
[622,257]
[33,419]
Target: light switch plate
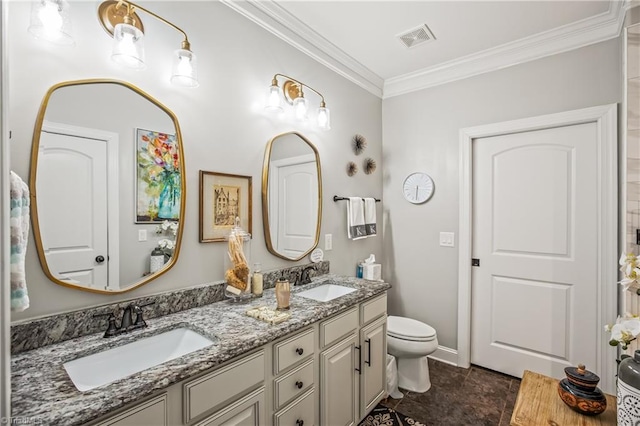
[447,239]
[328,242]
[142,235]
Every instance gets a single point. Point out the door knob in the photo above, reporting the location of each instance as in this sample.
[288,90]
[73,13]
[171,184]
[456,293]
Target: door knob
[299,351]
[299,384]
[99,259]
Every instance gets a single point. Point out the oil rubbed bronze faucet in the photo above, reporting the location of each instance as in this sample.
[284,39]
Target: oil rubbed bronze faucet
[305,278]
[126,323]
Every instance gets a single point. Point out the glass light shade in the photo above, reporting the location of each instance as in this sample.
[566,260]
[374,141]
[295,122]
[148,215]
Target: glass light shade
[324,118]
[185,69]
[300,107]
[50,21]
[128,46]
[274,100]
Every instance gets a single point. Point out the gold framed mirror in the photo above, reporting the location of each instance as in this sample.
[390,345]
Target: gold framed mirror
[107,183]
[291,196]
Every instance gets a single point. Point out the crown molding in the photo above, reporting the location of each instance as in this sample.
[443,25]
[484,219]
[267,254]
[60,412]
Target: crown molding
[278,21]
[572,36]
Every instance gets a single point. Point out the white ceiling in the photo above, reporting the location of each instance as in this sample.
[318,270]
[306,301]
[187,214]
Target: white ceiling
[358,38]
[367,31]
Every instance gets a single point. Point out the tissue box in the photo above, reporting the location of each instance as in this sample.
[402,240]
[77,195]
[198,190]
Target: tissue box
[372,271]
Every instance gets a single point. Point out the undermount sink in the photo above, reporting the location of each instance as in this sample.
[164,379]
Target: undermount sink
[117,363]
[326,292]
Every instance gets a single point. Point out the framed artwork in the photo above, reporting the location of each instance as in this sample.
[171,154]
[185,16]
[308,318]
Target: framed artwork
[158,180]
[223,197]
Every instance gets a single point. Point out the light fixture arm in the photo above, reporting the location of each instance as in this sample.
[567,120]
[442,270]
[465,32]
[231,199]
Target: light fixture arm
[131,6]
[275,80]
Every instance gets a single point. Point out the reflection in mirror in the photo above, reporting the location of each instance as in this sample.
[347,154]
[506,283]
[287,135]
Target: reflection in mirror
[291,196]
[107,186]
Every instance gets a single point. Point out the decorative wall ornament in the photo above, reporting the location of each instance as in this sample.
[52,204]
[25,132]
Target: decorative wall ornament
[359,143]
[369,165]
[352,168]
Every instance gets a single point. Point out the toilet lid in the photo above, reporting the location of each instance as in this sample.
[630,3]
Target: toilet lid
[409,329]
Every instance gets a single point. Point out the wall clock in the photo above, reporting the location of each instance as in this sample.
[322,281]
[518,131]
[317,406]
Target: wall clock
[417,188]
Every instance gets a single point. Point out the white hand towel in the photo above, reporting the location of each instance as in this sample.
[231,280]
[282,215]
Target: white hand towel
[370,217]
[355,219]
[19,226]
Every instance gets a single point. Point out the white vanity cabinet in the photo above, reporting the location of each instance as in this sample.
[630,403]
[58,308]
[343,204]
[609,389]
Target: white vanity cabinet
[332,372]
[353,371]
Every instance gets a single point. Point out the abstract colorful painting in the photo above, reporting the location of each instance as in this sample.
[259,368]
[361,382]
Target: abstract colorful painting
[158,182]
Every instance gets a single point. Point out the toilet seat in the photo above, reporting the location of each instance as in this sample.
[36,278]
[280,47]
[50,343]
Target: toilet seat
[409,329]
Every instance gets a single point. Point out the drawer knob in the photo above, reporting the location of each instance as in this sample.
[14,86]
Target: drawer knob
[299,422]
[299,351]
[299,384]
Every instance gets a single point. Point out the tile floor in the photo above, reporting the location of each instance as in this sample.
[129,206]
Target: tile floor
[458,396]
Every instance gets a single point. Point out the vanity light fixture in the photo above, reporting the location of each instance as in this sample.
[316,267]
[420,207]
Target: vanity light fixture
[50,21]
[119,19]
[292,90]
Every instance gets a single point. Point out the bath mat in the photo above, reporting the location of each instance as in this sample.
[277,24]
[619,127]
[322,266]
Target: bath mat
[383,416]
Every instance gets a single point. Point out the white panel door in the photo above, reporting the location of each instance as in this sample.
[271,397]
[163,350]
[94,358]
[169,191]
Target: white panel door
[297,208]
[534,295]
[72,207]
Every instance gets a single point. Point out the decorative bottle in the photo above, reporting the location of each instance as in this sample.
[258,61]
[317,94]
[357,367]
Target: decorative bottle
[257,282]
[283,293]
[236,263]
[628,396]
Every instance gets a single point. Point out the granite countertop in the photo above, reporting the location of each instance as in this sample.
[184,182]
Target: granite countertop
[42,391]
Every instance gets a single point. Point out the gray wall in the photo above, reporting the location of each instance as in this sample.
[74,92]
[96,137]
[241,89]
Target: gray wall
[223,124]
[421,132]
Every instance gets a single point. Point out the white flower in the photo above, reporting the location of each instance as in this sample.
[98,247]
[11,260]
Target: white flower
[166,244]
[624,331]
[630,267]
[167,226]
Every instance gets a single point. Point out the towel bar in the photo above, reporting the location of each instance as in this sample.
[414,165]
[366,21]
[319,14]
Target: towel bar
[337,198]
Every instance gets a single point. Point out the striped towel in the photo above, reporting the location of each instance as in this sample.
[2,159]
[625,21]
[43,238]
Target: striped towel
[19,224]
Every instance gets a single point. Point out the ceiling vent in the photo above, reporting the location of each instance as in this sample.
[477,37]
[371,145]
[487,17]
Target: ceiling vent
[416,36]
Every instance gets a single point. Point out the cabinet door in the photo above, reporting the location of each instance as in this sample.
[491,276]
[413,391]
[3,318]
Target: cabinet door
[149,413]
[247,411]
[339,367]
[373,381]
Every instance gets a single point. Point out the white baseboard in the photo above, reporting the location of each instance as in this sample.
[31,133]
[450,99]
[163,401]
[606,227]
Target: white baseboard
[446,355]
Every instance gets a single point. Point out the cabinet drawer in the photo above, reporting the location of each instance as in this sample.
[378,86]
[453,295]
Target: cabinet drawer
[373,309]
[300,412]
[293,350]
[152,412]
[337,327]
[293,384]
[211,390]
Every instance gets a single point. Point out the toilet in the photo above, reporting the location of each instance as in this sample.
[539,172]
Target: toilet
[410,341]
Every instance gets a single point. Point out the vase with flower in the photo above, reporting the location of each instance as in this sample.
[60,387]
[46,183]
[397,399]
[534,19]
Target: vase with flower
[625,330]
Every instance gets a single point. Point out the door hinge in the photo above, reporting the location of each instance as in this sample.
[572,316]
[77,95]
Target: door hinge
[475,262]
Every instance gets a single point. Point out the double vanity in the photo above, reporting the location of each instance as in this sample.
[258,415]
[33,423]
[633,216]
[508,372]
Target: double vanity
[214,365]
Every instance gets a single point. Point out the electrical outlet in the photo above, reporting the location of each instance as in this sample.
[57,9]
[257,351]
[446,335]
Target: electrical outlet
[328,242]
[142,235]
[447,239]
